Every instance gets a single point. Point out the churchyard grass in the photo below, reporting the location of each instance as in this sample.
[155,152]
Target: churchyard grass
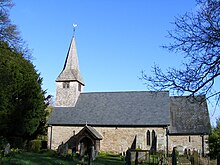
[31,158]
[51,158]
[109,158]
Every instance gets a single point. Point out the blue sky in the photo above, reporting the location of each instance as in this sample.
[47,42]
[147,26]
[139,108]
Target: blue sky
[116,39]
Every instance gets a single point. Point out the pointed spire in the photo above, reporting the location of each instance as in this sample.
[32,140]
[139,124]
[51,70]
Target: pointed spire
[71,70]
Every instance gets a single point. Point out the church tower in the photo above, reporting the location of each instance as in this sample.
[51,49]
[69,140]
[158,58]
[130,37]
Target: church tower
[69,83]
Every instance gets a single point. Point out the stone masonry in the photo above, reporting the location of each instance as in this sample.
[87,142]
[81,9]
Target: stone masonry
[67,97]
[115,139]
[192,142]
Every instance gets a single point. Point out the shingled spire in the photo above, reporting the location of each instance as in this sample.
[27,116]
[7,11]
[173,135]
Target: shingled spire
[71,70]
[69,83]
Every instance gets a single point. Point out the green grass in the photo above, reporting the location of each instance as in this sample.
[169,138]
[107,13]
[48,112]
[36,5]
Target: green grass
[109,160]
[29,158]
[51,158]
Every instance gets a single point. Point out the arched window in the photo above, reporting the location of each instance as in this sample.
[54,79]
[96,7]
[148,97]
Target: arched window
[154,141]
[153,136]
[148,137]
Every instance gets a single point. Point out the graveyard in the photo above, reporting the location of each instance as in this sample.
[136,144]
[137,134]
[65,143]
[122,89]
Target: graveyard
[50,157]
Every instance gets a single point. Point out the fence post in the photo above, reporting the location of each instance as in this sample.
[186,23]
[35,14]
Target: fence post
[136,158]
[128,157]
[174,160]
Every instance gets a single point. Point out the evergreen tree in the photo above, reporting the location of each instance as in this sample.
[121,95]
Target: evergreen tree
[22,101]
[214,141]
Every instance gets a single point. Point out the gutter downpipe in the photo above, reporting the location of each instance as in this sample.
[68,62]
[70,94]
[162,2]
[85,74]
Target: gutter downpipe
[50,135]
[167,133]
[203,151]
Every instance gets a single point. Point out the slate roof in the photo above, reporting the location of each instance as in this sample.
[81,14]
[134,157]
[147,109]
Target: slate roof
[189,115]
[92,132]
[135,108]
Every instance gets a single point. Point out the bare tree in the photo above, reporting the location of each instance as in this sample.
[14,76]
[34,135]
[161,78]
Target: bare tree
[9,32]
[197,36]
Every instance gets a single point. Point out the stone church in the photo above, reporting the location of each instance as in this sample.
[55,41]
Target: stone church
[116,121]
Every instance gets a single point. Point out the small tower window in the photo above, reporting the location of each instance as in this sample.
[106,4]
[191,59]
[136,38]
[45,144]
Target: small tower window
[79,87]
[66,84]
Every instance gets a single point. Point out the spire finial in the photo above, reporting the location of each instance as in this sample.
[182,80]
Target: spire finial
[74,28]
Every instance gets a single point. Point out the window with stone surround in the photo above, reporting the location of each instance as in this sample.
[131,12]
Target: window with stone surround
[148,137]
[153,136]
[154,141]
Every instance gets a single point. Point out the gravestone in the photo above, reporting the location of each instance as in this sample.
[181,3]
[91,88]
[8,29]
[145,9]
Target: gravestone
[63,149]
[180,150]
[7,149]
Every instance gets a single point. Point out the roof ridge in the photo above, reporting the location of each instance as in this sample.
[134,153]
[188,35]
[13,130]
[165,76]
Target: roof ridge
[125,92]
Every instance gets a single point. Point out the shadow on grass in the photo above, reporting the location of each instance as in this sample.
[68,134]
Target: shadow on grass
[28,158]
[50,158]
[108,161]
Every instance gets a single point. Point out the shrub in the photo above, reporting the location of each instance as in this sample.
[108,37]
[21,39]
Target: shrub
[34,145]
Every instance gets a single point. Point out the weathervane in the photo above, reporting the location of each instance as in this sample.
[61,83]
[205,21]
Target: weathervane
[74,28]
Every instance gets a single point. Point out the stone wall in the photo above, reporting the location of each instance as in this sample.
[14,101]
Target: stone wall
[67,97]
[119,139]
[60,134]
[115,139]
[192,142]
